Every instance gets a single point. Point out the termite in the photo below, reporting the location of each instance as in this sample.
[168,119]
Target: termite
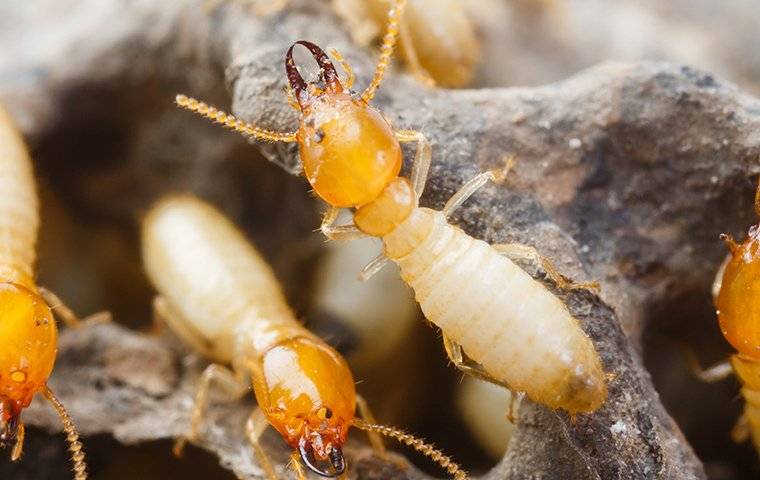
[28,331]
[515,331]
[437,40]
[219,295]
[736,292]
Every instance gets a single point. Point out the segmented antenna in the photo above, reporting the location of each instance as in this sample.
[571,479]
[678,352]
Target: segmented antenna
[72,436]
[386,50]
[229,121]
[416,443]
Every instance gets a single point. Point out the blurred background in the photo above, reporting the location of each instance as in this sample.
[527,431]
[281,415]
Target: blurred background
[100,170]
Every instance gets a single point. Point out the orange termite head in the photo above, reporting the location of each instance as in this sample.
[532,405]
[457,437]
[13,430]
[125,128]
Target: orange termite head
[10,414]
[348,150]
[311,399]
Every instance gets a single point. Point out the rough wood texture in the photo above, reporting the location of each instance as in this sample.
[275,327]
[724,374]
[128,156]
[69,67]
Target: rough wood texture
[625,174]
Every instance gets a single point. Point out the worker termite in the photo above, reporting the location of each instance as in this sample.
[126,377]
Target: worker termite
[736,292]
[28,331]
[437,40]
[219,295]
[515,332]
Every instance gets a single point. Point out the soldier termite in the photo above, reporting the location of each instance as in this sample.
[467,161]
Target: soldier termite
[28,331]
[736,292]
[515,332]
[220,296]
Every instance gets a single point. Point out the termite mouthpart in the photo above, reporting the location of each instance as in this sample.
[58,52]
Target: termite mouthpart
[328,76]
[337,462]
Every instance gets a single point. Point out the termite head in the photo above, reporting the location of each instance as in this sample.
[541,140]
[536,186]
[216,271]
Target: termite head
[10,414]
[29,336]
[348,150]
[311,396]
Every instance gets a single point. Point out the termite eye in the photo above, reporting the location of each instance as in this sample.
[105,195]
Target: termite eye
[324,413]
[328,413]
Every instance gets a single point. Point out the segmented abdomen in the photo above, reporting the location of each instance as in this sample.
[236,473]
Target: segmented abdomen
[212,276]
[19,218]
[512,325]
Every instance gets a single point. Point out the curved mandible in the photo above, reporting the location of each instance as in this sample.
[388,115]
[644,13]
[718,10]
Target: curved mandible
[327,71]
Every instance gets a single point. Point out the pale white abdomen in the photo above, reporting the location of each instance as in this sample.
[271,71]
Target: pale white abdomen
[212,277]
[521,333]
[19,217]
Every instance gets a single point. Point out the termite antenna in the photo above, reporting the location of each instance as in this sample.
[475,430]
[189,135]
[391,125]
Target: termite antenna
[72,436]
[416,443]
[229,121]
[757,198]
[386,50]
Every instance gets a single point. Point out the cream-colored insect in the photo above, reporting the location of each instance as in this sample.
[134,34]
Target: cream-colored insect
[220,296]
[28,331]
[513,329]
[437,37]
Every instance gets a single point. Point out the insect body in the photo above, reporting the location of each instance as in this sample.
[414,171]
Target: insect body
[515,331]
[220,296]
[738,302]
[437,37]
[28,332]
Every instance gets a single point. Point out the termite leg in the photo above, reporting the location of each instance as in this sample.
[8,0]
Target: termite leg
[513,412]
[386,50]
[338,232]
[18,447]
[526,252]
[410,56]
[373,267]
[465,192]
[716,373]
[164,313]
[67,314]
[474,184]
[350,77]
[374,438]
[730,242]
[718,280]
[741,431]
[757,198]
[422,158]
[228,381]
[254,427]
[456,355]
[295,463]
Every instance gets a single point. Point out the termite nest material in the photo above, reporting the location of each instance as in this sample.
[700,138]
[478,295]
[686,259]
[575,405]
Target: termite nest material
[626,174]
